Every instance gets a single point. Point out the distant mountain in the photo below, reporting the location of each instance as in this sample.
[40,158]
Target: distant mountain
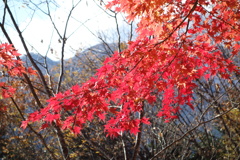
[91,57]
[41,61]
[76,69]
[100,50]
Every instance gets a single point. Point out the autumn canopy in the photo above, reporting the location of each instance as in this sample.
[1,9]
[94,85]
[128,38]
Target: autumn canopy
[177,45]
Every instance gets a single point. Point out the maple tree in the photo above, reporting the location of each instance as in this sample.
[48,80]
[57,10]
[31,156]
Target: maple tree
[11,66]
[13,106]
[31,86]
[31,93]
[174,49]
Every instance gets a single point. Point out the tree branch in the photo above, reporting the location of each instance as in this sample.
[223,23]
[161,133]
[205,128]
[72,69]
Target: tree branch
[139,136]
[189,131]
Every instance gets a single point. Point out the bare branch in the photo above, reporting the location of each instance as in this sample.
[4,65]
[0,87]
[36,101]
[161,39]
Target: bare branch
[35,132]
[189,131]
[64,39]
[139,135]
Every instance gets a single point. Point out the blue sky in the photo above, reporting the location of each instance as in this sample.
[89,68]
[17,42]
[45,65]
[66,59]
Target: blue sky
[87,19]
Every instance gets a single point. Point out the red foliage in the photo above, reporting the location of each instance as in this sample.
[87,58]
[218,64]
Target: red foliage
[176,46]
[9,64]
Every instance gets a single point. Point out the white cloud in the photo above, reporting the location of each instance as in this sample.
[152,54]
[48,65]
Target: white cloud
[40,33]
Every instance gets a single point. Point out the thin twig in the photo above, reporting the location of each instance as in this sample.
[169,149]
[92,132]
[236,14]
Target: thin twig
[179,25]
[189,131]
[64,39]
